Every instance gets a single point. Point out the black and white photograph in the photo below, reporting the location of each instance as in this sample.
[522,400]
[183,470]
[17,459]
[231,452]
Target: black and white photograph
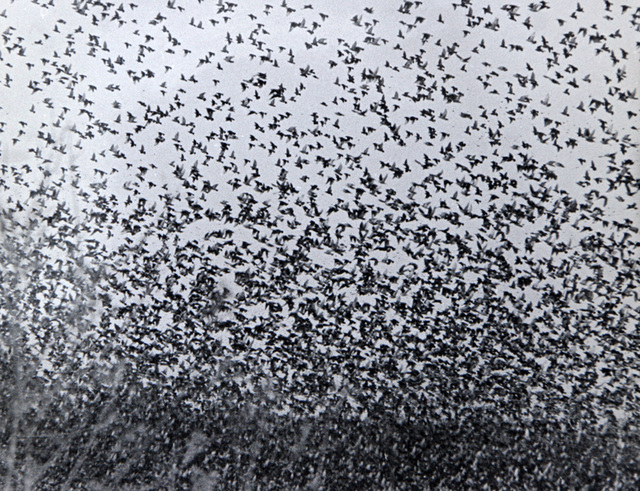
[319,245]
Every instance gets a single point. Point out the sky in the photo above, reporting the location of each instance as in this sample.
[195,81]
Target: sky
[216,103]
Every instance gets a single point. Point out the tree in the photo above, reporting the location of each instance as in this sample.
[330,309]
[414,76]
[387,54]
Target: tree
[49,312]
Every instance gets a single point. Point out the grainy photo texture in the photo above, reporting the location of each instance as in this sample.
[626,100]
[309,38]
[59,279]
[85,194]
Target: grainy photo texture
[319,245]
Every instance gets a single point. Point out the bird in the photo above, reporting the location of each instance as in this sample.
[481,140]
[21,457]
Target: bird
[332,202]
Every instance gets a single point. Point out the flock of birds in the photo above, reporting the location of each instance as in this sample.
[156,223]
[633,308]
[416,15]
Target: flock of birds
[425,201]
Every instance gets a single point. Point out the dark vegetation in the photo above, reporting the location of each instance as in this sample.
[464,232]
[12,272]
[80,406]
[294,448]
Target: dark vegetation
[135,438]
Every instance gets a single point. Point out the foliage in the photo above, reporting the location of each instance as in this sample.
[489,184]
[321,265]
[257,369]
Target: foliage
[141,439]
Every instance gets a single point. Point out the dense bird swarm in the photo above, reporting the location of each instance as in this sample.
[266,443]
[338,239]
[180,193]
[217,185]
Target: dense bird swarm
[319,245]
